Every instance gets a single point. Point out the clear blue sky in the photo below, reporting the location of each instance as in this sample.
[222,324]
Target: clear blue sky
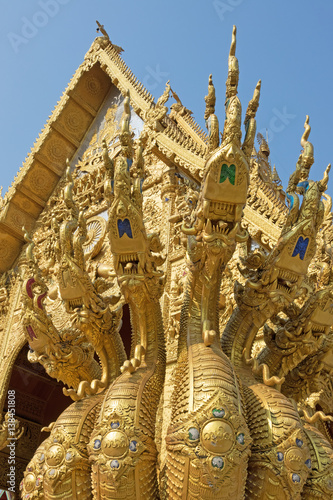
[288,44]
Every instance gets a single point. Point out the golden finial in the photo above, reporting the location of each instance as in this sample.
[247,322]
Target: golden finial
[253,104]
[165,96]
[250,122]
[210,98]
[102,30]
[323,183]
[307,154]
[107,38]
[263,145]
[233,69]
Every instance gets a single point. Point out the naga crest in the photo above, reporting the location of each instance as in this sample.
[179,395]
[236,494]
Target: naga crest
[226,175]
[136,254]
[282,271]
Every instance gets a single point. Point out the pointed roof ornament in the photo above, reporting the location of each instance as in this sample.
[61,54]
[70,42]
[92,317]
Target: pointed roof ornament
[233,68]
[263,145]
[163,99]
[212,123]
[250,122]
[210,98]
[307,154]
[275,176]
[101,29]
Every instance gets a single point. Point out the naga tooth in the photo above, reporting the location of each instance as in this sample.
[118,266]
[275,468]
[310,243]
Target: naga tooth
[209,227]
[116,261]
[234,231]
[120,269]
[141,264]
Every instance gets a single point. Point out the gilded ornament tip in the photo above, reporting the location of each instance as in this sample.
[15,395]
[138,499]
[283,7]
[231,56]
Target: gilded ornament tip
[307,153]
[210,98]
[233,69]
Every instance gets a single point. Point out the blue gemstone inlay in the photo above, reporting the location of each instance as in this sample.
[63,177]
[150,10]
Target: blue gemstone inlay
[114,464]
[133,445]
[299,442]
[296,478]
[300,247]
[124,227]
[280,456]
[218,462]
[97,444]
[115,425]
[308,463]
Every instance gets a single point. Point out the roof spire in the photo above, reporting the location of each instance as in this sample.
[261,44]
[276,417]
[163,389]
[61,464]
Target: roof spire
[307,154]
[107,38]
[102,30]
[233,69]
[210,99]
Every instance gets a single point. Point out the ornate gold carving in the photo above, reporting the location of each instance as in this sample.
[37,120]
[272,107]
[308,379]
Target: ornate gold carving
[183,415]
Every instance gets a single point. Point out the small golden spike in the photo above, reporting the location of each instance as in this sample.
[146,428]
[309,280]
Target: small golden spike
[210,98]
[161,101]
[233,69]
[323,183]
[307,131]
[250,122]
[307,154]
[253,104]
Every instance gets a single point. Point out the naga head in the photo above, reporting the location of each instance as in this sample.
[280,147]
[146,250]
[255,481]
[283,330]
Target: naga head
[282,271]
[38,332]
[136,254]
[65,355]
[216,220]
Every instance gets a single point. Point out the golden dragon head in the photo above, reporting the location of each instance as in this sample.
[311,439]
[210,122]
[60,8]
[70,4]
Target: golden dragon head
[136,254]
[216,220]
[281,272]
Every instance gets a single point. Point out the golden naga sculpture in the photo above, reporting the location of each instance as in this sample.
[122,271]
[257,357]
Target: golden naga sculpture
[194,411]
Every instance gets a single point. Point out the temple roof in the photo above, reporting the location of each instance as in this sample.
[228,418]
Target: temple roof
[177,140]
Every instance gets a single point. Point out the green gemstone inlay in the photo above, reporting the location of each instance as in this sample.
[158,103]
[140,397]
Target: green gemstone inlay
[228,173]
